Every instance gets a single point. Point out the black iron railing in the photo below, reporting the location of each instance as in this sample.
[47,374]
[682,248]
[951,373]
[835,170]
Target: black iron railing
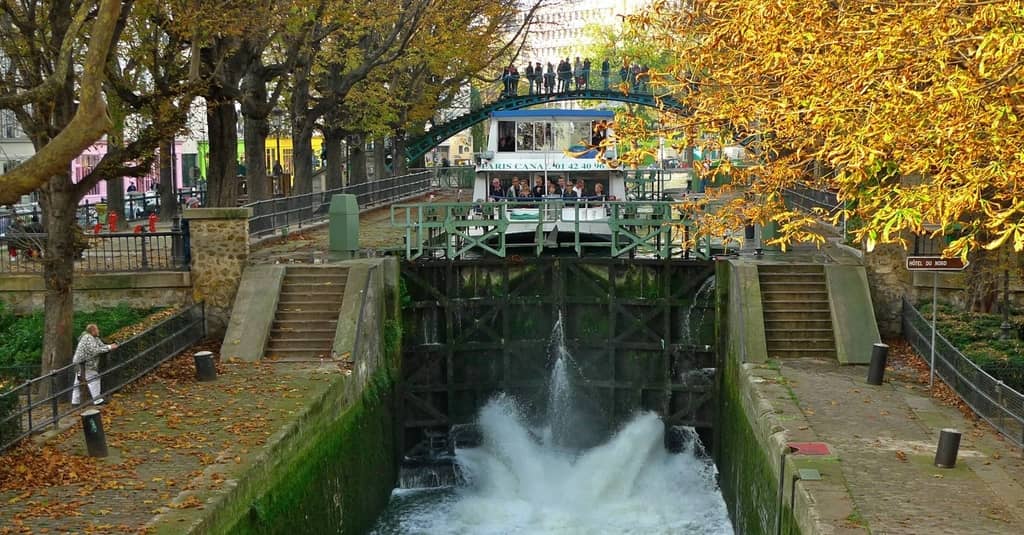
[41,402]
[293,212]
[24,252]
[990,398]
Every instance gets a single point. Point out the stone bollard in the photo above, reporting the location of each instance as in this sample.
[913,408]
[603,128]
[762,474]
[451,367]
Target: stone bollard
[949,446]
[95,439]
[876,371]
[205,368]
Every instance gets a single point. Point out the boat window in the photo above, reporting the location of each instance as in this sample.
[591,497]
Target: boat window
[524,137]
[506,136]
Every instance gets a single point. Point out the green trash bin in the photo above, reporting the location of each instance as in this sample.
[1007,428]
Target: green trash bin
[343,226]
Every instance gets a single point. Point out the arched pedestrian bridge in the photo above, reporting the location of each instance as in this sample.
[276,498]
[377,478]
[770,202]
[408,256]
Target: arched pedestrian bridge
[419,146]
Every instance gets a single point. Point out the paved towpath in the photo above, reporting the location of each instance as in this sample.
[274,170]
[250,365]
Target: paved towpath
[884,440]
[174,444]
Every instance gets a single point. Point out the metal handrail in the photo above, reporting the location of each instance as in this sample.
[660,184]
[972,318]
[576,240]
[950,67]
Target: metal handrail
[991,399]
[23,420]
[116,252]
[280,213]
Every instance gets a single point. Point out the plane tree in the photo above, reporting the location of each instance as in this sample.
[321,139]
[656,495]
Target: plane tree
[911,109]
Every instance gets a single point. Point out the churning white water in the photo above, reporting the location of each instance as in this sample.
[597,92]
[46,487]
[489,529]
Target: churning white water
[525,481]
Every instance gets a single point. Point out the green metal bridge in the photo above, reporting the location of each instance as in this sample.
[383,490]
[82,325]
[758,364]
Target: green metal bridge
[419,146]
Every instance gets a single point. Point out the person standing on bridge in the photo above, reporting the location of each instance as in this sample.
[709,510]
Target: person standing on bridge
[549,79]
[577,72]
[505,79]
[529,78]
[586,73]
[86,361]
[564,75]
[624,72]
[513,81]
[538,76]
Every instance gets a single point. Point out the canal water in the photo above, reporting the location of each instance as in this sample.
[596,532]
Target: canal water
[523,478]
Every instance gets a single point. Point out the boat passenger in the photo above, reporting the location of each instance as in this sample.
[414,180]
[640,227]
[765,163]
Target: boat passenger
[497,193]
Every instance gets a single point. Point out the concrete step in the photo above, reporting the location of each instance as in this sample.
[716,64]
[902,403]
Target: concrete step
[790,268]
[798,332]
[308,344]
[796,314]
[297,354]
[322,281]
[806,322]
[301,297]
[785,284]
[805,305]
[310,288]
[309,306]
[798,353]
[812,343]
[792,277]
[306,315]
[301,334]
[794,294]
[299,325]
[306,269]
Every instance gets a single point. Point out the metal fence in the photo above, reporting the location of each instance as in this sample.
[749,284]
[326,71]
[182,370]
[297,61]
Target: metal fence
[808,199]
[450,177]
[990,398]
[293,212]
[25,409]
[136,206]
[22,252]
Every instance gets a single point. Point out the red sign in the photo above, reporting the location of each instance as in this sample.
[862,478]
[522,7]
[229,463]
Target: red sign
[935,263]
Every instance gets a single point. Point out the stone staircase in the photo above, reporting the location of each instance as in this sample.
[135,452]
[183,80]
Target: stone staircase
[307,312]
[797,316]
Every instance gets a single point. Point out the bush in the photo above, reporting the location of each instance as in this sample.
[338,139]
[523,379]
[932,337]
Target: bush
[21,337]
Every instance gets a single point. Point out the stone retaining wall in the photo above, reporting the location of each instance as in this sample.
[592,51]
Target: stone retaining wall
[220,252]
[26,293]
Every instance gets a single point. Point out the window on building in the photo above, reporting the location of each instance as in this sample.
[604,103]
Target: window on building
[506,136]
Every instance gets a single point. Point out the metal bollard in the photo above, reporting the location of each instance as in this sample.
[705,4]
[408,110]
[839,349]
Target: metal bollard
[879,353]
[205,369]
[95,439]
[949,446]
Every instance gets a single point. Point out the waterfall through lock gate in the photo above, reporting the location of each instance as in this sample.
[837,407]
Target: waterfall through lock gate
[524,478]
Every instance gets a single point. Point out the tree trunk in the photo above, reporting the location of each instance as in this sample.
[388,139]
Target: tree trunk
[379,169]
[302,160]
[115,186]
[222,172]
[357,159]
[398,163]
[333,148]
[168,200]
[115,198]
[255,131]
[58,204]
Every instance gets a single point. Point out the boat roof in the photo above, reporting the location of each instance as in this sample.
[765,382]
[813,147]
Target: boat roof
[553,114]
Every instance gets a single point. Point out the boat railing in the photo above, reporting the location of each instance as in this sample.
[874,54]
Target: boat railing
[452,229]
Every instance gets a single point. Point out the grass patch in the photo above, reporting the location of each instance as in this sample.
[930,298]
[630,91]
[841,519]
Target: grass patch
[977,336]
[21,336]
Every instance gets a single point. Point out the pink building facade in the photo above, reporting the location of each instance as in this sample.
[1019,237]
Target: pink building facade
[91,156]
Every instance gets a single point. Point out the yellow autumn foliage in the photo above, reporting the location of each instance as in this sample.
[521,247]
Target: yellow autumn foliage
[910,111]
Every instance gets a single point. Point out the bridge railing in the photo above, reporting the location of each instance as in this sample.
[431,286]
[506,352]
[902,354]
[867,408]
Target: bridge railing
[461,176]
[272,215]
[455,230]
[990,398]
[812,200]
[25,410]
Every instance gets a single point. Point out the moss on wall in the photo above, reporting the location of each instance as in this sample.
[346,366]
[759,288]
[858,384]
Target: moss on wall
[749,483]
[341,480]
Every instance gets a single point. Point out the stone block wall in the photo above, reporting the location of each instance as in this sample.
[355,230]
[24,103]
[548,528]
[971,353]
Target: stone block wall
[25,294]
[889,281]
[220,252]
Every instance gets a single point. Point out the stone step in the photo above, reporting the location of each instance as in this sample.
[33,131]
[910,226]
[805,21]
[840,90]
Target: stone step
[313,283]
[798,332]
[775,283]
[302,325]
[297,354]
[316,279]
[306,315]
[309,344]
[794,277]
[805,305]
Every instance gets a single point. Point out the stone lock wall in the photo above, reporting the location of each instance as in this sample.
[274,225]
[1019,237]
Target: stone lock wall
[889,281]
[220,251]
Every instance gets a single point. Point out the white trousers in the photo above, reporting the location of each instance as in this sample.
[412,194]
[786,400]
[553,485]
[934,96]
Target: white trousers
[93,380]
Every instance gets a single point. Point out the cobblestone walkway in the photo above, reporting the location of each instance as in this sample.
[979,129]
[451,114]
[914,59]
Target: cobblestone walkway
[174,443]
[885,440]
